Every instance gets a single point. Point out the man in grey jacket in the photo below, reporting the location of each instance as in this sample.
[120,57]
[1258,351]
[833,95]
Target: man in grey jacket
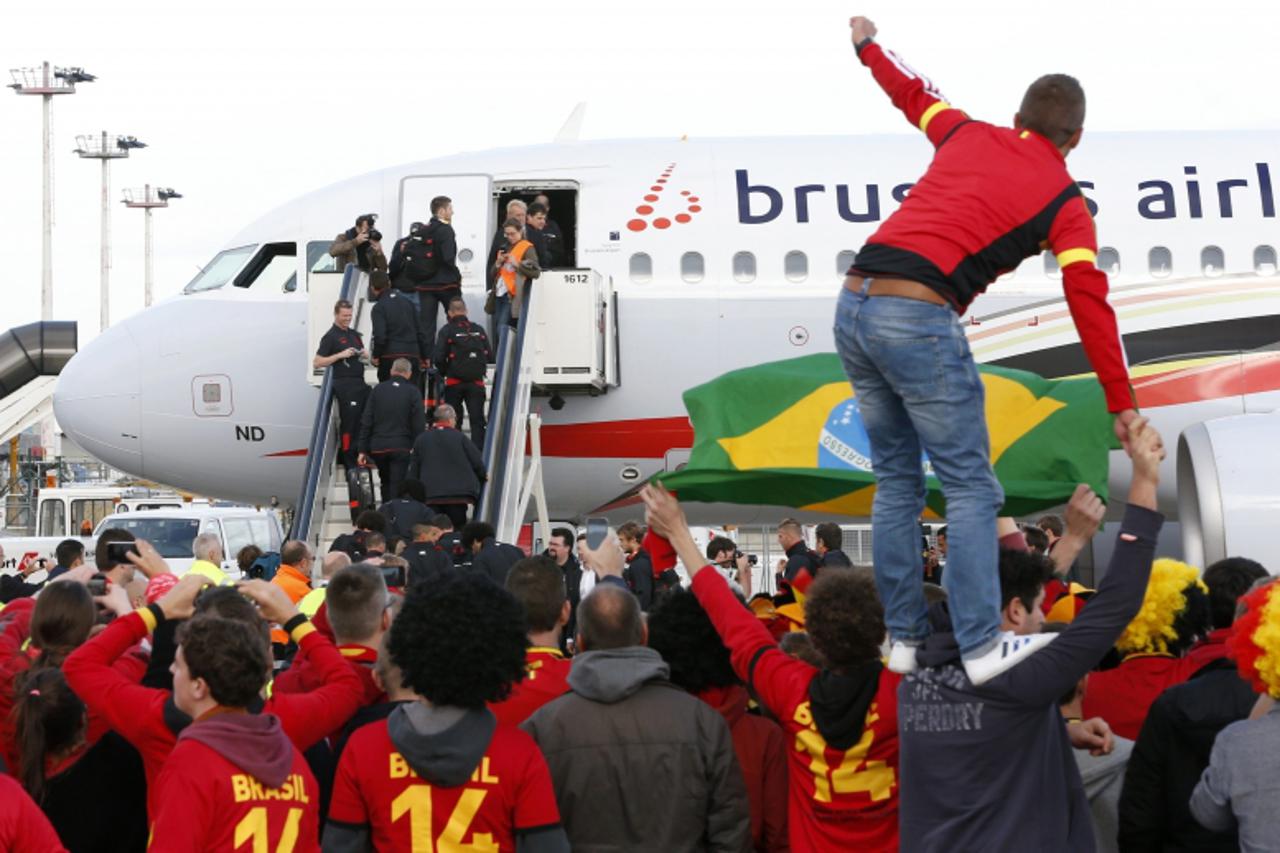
[637,763]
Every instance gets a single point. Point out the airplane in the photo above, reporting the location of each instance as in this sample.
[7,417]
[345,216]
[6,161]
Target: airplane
[723,253]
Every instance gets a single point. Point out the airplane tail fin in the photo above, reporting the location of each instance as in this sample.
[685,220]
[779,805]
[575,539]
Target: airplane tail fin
[571,130]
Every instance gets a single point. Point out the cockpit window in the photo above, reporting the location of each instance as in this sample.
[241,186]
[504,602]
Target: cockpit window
[274,265]
[220,270]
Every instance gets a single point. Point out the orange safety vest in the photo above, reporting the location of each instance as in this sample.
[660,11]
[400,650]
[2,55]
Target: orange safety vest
[508,271]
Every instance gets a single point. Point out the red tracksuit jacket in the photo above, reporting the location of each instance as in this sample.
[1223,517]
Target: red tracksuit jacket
[992,197]
[141,714]
[546,678]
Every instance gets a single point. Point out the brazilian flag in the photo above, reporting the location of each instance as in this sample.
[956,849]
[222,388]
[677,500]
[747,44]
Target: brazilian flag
[788,433]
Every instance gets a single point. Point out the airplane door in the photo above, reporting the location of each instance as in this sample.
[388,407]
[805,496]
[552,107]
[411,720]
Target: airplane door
[472,221]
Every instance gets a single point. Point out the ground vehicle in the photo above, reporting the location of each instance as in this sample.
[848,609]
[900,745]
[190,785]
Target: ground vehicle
[172,531]
[61,511]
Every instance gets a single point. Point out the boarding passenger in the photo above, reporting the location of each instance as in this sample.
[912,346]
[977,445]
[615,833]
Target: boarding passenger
[393,418]
[411,260]
[462,357]
[458,645]
[637,763]
[353,544]
[842,715]
[396,333]
[517,210]
[538,585]
[449,466]
[233,775]
[428,562]
[557,251]
[407,511]
[361,245]
[991,197]
[343,348]
[535,221]
[490,557]
[444,283]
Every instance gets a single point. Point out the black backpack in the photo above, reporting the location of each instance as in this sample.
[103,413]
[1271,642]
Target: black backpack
[420,259]
[469,353]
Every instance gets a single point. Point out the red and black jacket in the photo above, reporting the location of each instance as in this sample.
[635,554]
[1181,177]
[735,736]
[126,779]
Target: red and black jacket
[992,197]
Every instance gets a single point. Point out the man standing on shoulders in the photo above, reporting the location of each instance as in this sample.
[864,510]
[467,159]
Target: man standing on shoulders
[342,348]
[393,418]
[637,762]
[462,356]
[991,197]
[449,466]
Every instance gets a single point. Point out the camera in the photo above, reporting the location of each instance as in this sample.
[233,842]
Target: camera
[752,559]
[375,235]
[118,552]
[394,576]
[97,585]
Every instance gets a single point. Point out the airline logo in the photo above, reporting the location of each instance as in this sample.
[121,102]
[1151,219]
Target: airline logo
[661,207]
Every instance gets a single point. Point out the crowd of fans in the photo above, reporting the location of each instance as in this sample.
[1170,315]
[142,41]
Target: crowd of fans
[430,683]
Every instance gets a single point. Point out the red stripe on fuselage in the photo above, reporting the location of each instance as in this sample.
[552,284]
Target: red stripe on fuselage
[299,452]
[644,438]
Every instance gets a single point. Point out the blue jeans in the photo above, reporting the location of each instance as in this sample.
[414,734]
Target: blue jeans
[918,388]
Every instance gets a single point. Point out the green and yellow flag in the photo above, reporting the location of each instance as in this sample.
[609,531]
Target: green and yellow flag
[788,433]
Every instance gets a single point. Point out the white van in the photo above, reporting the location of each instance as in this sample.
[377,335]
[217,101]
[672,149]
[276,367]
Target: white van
[171,532]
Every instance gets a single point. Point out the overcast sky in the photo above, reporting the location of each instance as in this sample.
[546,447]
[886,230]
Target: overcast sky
[249,103]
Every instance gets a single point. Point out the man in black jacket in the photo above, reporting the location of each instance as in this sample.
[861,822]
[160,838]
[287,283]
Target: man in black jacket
[491,557]
[407,511]
[462,355]
[557,250]
[342,348]
[448,465]
[445,281]
[1172,750]
[560,549]
[639,571]
[396,332]
[799,558]
[427,562]
[392,419]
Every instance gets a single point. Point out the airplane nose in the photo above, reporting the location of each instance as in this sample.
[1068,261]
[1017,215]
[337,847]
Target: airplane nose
[96,401]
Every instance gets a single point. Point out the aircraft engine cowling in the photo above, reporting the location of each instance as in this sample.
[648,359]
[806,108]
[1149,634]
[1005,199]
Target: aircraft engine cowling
[1229,489]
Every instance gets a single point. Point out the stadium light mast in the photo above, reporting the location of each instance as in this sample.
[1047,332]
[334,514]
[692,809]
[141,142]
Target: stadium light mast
[105,148]
[148,199]
[46,82]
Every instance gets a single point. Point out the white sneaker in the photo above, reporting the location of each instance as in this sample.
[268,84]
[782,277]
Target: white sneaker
[1010,650]
[902,658]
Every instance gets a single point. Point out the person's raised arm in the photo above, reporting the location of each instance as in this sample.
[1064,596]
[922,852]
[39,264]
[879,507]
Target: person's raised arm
[915,95]
[1084,514]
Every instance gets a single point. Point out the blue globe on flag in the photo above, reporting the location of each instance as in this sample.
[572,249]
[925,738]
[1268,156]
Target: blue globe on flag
[844,443]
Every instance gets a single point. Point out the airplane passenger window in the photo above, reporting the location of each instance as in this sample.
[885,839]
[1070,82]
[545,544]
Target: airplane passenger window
[692,267]
[1212,261]
[744,267]
[219,270]
[1160,262]
[641,268]
[796,266]
[844,260]
[1051,267]
[1264,260]
[1109,260]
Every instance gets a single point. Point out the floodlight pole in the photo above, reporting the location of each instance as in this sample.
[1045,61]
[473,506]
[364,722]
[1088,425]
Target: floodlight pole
[47,81]
[148,201]
[105,149]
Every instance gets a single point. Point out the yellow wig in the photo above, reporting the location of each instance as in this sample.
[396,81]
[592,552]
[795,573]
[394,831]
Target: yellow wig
[1152,629]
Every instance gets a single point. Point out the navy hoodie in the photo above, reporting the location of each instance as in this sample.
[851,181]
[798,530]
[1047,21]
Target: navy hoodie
[991,767]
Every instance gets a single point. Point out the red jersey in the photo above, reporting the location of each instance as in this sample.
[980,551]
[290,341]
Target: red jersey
[546,678]
[206,803]
[23,827]
[992,197]
[1122,696]
[142,714]
[840,799]
[509,791]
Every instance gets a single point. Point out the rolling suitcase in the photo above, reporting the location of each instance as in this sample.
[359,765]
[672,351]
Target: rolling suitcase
[360,490]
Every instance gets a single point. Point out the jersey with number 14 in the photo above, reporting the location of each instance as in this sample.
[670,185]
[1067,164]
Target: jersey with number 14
[840,799]
[509,792]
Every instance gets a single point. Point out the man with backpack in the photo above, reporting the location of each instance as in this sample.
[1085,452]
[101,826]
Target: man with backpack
[424,263]
[396,331]
[462,357]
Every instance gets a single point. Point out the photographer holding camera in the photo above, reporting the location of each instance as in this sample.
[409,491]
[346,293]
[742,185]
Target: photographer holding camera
[723,553]
[361,245]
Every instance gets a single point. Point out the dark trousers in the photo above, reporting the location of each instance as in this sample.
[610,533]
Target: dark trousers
[470,395]
[384,368]
[351,395]
[457,513]
[392,467]
[428,302]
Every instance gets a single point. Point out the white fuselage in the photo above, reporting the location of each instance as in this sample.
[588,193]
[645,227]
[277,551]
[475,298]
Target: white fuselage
[691,304]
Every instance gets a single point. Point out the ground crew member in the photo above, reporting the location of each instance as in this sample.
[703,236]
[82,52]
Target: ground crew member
[393,418]
[991,197]
[462,355]
[342,347]
[396,333]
